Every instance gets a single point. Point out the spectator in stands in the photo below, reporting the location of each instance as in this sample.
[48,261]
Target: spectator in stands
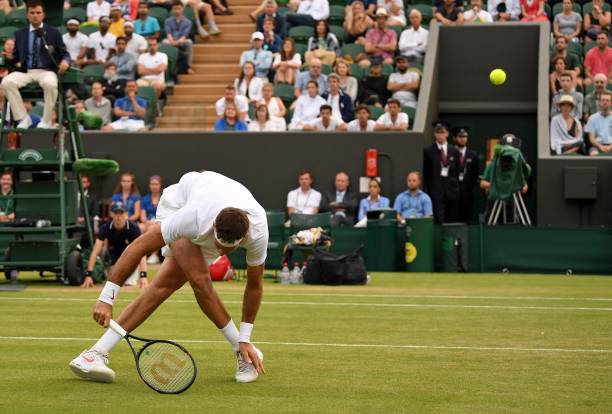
[178,29]
[272,42]
[393,119]
[357,21]
[101,43]
[241,103]
[413,41]
[362,123]
[404,83]
[130,111]
[504,10]
[323,45]
[262,59]
[449,13]
[35,66]
[572,62]
[559,64]
[325,121]
[591,101]
[7,204]
[568,23]
[98,104]
[380,40]
[413,203]
[307,107]
[307,12]
[8,52]
[127,193]
[276,107]
[149,204]
[262,122]
[287,63]
[476,14]
[374,201]
[126,8]
[145,25]
[533,11]
[270,12]
[247,84]
[97,9]
[567,88]
[598,59]
[124,61]
[230,120]
[596,21]
[7,6]
[368,6]
[348,83]
[136,44]
[91,201]
[114,85]
[312,74]
[395,11]
[340,102]
[467,176]
[342,203]
[304,199]
[373,87]
[440,171]
[152,67]
[117,26]
[599,127]
[565,129]
[204,12]
[75,41]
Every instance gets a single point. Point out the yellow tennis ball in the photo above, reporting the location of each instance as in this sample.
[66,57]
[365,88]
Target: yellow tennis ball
[497,77]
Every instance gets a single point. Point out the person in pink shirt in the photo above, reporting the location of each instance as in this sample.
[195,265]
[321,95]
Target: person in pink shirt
[533,11]
[381,41]
[598,59]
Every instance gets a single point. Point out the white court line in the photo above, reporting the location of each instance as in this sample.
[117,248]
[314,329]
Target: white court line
[302,303]
[340,345]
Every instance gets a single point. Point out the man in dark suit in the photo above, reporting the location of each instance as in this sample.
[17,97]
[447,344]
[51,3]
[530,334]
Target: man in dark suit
[338,100]
[341,202]
[468,176]
[441,172]
[271,12]
[40,54]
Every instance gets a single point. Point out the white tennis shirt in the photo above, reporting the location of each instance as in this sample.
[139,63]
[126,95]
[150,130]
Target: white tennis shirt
[189,208]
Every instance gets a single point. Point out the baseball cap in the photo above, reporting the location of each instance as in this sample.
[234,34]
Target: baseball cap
[461,132]
[117,207]
[439,126]
[381,12]
[257,36]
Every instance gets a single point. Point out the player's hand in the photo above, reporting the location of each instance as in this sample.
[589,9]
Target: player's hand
[87,282]
[143,283]
[103,313]
[250,355]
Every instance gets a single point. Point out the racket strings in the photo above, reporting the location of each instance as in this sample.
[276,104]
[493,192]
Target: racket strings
[166,367]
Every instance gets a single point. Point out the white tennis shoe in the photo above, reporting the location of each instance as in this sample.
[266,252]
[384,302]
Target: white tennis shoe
[246,371]
[93,366]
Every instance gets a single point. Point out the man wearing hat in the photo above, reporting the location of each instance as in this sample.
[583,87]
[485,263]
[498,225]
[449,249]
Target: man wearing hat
[117,21]
[468,175]
[101,43]
[381,41]
[114,237]
[262,59]
[441,172]
[75,41]
[404,83]
[136,44]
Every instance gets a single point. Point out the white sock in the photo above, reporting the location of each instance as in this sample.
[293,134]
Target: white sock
[108,341]
[231,334]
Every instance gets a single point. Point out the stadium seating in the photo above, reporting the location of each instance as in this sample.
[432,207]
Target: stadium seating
[301,34]
[93,72]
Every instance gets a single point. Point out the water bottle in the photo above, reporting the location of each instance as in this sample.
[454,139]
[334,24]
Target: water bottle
[303,272]
[96,224]
[284,274]
[295,273]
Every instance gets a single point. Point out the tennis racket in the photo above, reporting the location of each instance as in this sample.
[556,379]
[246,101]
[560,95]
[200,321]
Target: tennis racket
[165,366]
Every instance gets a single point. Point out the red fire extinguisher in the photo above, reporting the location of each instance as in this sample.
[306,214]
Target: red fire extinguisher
[371,163]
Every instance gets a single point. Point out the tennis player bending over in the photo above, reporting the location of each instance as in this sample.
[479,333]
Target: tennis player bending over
[202,217]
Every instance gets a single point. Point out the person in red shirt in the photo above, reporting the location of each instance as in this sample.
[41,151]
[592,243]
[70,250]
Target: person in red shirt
[533,11]
[598,59]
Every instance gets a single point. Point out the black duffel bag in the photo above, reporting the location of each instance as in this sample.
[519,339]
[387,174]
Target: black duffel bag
[324,268]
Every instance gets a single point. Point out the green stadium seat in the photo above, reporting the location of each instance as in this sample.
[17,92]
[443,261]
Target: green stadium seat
[415,2]
[548,10]
[288,115]
[588,7]
[337,3]
[356,70]
[74,3]
[589,89]
[410,111]
[306,221]
[148,93]
[388,69]
[575,48]
[76,13]
[589,46]
[93,72]
[558,8]
[87,30]
[285,92]
[376,112]
[301,33]
[426,11]
[336,15]
[398,31]
[7,32]
[282,10]
[160,13]
[352,49]
[276,241]
[2,19]
[173,53]
[339,32]
[17,18]
[301,48]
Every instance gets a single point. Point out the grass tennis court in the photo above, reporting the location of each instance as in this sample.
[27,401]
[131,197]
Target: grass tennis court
[404,343]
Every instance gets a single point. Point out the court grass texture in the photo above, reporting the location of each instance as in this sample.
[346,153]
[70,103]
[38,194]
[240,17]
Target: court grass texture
[405,343]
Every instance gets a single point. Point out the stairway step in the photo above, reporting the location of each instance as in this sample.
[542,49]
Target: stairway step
[212,77]
[214,68]
[187,120]
[247,28]
[227,36]
[187,111]
[224,48]
[216,58]
[236,18]
[201,89]
[252,3]
[194,99]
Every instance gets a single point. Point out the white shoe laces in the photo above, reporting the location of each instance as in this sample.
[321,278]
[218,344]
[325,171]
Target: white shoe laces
[244,366]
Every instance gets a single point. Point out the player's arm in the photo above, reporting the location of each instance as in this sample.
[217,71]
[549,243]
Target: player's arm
[91,264]
[252,293]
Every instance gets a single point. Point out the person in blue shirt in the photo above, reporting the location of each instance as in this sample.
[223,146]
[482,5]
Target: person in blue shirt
[149,203]
[127,192]
[146,25]
[374,201]
[178,29]
[260,57]
[413,203]
[272,41]
[230,121]
[130,110]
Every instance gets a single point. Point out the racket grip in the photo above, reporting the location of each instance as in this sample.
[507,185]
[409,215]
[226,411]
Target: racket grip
[117,328]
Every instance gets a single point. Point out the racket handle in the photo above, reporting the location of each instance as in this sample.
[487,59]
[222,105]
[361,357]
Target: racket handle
[117,328]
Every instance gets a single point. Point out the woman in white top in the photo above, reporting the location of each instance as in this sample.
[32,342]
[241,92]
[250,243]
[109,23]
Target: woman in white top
[287,63]
[262,122]
[395,10]
[307,107]
[276,107]
[565,130]
[248,84]
[348,83]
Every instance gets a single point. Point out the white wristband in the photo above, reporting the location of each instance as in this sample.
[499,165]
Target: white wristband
[110,293]
[246,329]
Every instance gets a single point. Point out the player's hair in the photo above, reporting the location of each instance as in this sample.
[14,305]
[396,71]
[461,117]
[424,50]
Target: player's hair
[35,3]
[231,224]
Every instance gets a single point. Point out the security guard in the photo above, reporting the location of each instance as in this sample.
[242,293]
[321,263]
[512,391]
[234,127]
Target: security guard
[467,176]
